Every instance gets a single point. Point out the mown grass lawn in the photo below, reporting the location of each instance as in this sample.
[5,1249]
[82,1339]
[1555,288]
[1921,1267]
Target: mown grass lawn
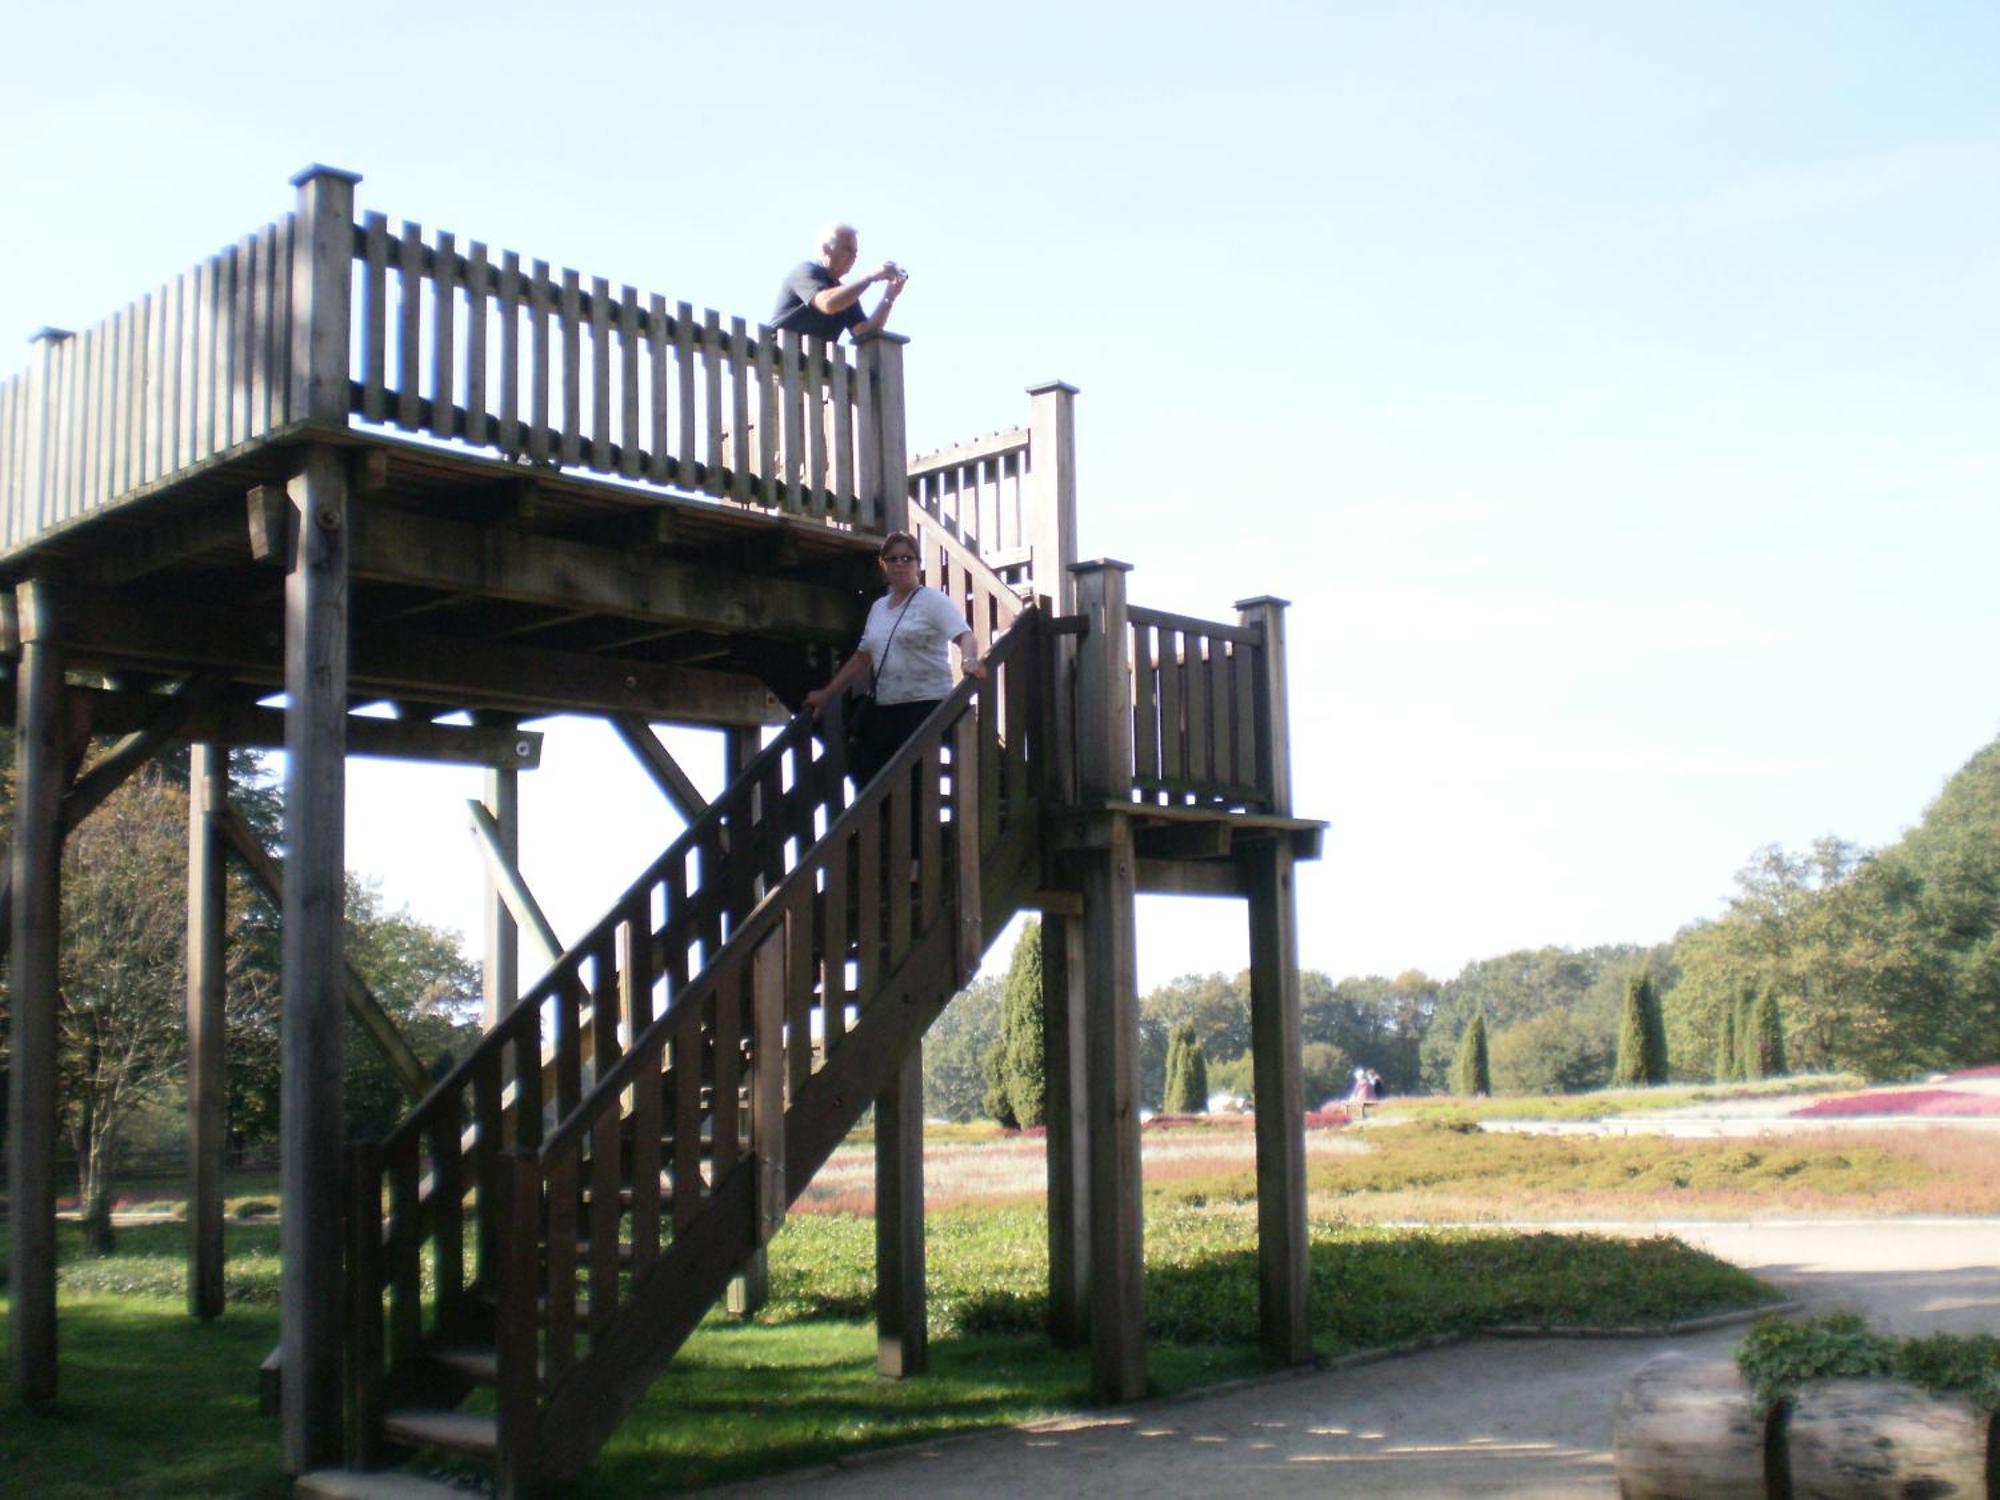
[155,1404]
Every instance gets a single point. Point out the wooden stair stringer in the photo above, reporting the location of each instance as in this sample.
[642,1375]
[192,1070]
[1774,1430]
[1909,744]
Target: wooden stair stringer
[593,1398]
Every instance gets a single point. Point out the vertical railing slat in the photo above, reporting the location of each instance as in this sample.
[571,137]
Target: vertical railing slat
[508,308]
[659,457]
[767,415]
[570,325]
[478,285]
[684,450]
[374,317]
[843,436]
[630,443]
[444,319]
[740,420]
[790,376]
[814,387]
[409,330]
[539,307]
[600,375]
[716,379]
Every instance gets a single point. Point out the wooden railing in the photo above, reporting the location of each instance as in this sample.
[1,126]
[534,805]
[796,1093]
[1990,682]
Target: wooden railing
[715,1048]
[1009,499]
[461,346]
[473,347]
[976,492]
[990,604]
[191,370]
[1201,712]
[439,1173]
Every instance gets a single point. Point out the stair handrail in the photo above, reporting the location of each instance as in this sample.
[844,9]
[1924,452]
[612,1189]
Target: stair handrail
[717,815]
[757,926]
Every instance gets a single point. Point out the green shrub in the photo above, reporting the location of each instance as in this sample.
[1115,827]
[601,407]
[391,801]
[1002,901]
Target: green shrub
[1780,1355]
[1472,1071]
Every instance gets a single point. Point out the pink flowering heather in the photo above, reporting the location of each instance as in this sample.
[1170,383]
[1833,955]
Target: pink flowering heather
[1943,1102]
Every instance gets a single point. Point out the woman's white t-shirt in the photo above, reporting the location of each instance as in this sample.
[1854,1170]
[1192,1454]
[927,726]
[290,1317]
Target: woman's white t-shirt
[916,665]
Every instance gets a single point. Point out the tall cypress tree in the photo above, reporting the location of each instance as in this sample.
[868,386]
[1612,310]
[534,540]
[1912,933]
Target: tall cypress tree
[1767,1036]
[1642,1037]
[1023,1066]
[1727,1067]
[1472,1071]
[1187,1073]
[1749,1066]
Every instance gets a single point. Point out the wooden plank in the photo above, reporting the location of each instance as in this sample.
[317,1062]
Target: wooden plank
[186,447]
[631,445]
[635,972]
[867,462]
[478,286]
[726,1028]
[207,1091]
[374,317]
[406,1290]
[1283,1268]
[313,968]
[767,415]
[280,355]
[512,440]
[600,375]
[564,1191]
[364,1292]
[685,456]
[814,387]
[867,842]
[605,1177]
[1146,701]
[447,1204]
[540,304]
[516,1397]
[834,931]
[659,456]
[209,390]
[841,395]
[791,379]
[569,324]
[902,1344]
[488,1164]
[444,320]
[409,328]
[930,835]
[1221,713]
[152,438]
[767,1075]
[63,418]
[897,859]
[686,1078]
[242,343]
[527,1076]
[741,423]
[968,841]
[1064,1003]
[716,380]
[568,1039]
[1199,757]
[36,929]
[1173,713]
[1244,669]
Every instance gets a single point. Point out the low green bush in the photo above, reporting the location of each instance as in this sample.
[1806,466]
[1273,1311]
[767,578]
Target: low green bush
[1781,1354]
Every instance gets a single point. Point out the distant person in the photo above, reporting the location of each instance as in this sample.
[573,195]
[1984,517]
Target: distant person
[1363,1094]
[815,302]
[904,653]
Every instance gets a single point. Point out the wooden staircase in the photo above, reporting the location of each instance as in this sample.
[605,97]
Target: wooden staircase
[558,1214]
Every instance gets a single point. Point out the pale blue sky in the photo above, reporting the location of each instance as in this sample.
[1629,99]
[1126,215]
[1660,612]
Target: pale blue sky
[1610,386]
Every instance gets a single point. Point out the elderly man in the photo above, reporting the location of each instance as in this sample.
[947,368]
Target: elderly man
[816,303]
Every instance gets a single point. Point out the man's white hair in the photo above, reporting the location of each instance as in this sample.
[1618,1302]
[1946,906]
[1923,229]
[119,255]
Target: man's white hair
[832,233]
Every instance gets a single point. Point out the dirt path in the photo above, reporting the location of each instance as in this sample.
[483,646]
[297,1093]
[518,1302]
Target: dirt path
[1489,1417]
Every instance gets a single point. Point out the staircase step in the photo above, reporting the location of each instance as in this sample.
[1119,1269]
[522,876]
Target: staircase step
[383,1484]
[458,1431]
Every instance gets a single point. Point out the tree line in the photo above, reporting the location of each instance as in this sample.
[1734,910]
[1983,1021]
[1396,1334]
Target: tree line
[1883,962]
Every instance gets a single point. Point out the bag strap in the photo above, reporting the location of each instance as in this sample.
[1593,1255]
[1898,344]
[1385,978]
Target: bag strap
[875,667]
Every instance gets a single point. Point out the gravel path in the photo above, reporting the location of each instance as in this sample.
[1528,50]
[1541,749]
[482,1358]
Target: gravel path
[1529,1417]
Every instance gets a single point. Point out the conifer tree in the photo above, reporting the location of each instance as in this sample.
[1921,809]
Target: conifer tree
[1180,1096]
[1767,1036]
[1726,1065]
[1016,1077]
[1472,1071]
[1749,1066]
[1657,1062]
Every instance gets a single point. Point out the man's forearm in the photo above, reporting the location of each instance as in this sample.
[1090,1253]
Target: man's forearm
[881,319]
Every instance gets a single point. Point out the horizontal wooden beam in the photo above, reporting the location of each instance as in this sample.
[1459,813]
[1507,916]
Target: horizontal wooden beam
[246,726]
[391,546]
[1180,877]
[1183,841]
[118,627]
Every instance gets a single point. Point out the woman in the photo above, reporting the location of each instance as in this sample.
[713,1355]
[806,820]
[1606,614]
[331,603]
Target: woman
[903,655]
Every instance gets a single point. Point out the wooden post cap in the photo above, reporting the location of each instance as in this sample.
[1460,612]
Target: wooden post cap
[1100,565]
[307,173]
[1046,386]
[1263,600]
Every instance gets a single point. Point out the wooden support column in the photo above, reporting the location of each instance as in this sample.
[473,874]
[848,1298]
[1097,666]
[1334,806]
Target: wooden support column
[313,1079]
[1063,1008]
[902,1336]
[1050,500]
[314,1072]
[882,363]
[750,1289]
[39,773]
[1110,980]
[1283,1252]
[500,975]
[208,788]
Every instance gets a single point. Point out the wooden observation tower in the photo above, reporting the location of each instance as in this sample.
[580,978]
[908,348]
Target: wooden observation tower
[358,466]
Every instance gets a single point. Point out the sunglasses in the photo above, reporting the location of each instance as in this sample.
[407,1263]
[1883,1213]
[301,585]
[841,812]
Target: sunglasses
[909,557]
